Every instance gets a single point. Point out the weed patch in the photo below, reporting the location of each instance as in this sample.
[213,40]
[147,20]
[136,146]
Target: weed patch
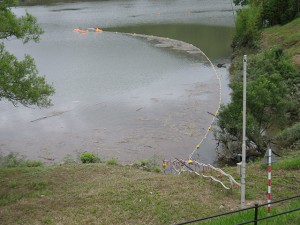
[13,184]
[112,161]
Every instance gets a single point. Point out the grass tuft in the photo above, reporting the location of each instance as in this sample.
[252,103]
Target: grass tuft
[112,161]
[39,185]
[13,184]
[33,163]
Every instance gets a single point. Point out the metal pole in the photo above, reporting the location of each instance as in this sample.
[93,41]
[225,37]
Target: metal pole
[255,213]
[243,169]
[269,180]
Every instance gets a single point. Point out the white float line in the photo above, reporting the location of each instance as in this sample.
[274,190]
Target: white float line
[219,105]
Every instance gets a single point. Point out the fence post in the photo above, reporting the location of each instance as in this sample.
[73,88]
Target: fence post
[255,213]
[269,179]
[243,166]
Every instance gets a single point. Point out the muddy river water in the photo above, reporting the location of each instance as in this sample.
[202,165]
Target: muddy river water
[121,95]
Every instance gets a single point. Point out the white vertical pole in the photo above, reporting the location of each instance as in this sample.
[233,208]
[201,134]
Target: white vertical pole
[243,169]
[269,180]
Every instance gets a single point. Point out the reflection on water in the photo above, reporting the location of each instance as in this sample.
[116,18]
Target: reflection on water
[213,40]
[118,95]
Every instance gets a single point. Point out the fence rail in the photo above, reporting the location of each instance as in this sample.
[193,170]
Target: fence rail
[256,207]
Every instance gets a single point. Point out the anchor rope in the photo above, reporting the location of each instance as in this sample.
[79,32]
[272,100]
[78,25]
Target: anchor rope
[181,166]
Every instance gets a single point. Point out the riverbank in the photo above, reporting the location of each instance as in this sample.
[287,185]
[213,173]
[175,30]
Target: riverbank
[116,194]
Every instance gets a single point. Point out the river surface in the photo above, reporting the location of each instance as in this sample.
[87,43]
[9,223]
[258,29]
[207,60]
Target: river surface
[121,95]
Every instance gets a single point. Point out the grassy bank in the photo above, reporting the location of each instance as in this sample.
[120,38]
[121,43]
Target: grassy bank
[286,37]
[113,194]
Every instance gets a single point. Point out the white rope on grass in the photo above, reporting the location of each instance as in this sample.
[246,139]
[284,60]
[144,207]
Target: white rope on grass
[231,179]
[186,166]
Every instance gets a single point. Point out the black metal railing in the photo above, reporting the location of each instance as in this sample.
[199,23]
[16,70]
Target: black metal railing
[255,207]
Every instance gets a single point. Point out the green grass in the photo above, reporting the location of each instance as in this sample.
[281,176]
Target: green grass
[13,184]
[287,164]
[12,160]
[248,215]
[290,162]
[33,163]
[286,37]
[107,194]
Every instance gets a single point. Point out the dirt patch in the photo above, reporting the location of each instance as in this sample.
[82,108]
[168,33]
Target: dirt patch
[296,60]
[268,40]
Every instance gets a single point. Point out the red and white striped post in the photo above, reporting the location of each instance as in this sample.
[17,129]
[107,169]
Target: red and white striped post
[269,180]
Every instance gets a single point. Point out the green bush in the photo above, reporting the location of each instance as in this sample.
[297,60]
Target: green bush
[156,169]
[279,11]
[88,157]
[248,28]
[112,161]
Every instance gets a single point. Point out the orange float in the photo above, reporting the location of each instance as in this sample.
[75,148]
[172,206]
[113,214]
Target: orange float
[83,30]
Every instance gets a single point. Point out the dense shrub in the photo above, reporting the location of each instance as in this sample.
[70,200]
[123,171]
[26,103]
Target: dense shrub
[270,102]
[279,11]
[88,157]
[248,26]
